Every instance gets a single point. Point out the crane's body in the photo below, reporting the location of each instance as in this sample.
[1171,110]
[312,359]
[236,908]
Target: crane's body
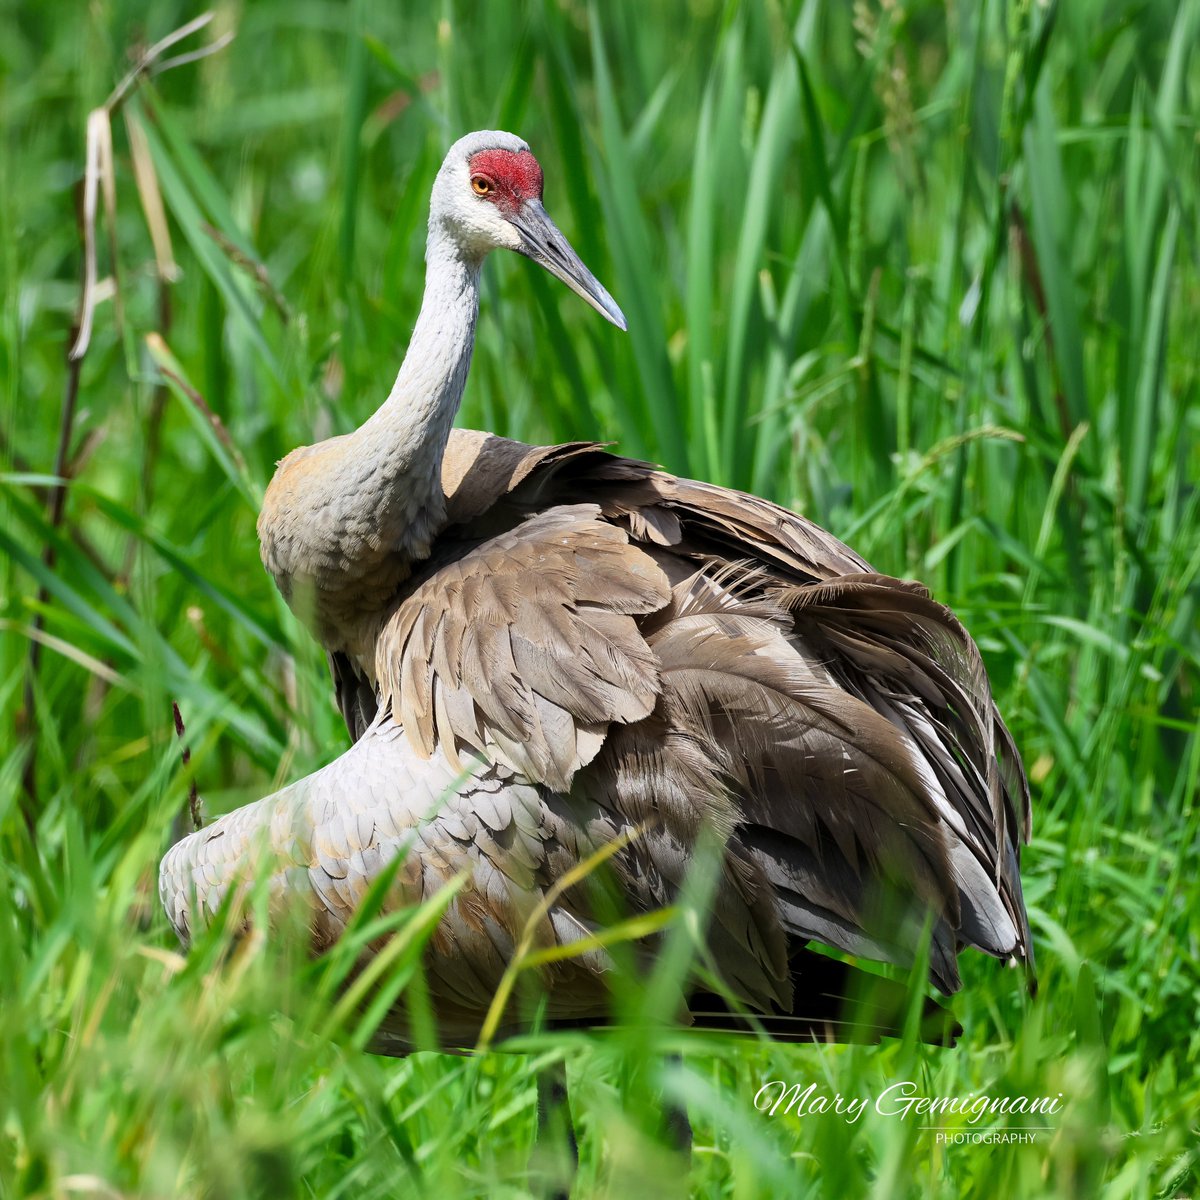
[539,650]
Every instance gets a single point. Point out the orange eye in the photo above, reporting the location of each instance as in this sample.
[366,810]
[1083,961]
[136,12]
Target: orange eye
[480,186]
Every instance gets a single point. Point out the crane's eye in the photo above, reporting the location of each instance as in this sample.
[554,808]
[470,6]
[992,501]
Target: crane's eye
[480,186]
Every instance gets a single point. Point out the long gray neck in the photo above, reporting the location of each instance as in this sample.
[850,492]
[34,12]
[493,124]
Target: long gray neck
[397,452]
[343,520]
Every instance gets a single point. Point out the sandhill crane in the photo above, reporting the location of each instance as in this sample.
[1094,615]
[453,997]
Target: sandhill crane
[541,649]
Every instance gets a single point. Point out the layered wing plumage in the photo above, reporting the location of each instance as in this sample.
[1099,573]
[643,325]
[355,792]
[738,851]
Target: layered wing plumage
[525,647]
[628,652]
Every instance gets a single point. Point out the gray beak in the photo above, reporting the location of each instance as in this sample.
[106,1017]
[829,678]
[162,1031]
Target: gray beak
[542,241]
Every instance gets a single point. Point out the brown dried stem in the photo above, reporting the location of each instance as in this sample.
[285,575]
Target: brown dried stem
[99,181]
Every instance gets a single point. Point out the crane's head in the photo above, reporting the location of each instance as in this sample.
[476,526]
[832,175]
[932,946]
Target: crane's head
[488,196]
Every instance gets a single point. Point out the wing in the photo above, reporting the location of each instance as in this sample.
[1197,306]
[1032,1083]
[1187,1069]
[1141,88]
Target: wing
[320,841]
[320,844]
[678,654]
[525,647]
[909,659]
[488,478]
[843,739]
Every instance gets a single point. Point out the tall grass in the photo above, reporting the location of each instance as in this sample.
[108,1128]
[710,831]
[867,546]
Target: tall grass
[927,272]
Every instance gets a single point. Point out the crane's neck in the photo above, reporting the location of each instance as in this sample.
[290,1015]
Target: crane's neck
[343,521]
[397,452]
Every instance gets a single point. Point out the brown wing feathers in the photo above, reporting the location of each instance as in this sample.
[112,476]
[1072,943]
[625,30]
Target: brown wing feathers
[526,648]
[677,654]
[911,660]
[830,805]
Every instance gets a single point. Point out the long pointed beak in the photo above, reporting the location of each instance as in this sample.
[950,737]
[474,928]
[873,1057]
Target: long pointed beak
[543,241]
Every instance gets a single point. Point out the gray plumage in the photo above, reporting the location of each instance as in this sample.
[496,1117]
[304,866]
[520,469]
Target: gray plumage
[540,649]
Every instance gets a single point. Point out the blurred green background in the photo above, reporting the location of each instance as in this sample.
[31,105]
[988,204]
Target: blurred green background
[928,272]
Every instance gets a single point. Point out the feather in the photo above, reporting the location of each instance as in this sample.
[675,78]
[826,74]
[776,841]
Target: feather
[586,648]
[540,651]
